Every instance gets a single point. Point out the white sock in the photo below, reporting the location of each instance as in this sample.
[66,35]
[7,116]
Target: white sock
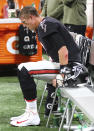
[32,105]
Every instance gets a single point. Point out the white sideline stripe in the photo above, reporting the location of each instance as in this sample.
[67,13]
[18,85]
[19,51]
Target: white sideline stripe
[10,20]
[83,98]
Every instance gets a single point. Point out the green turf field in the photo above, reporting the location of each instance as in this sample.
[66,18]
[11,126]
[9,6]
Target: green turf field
[12,104]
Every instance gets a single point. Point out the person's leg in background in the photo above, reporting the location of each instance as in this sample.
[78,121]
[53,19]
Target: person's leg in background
[49,100]
[89,33]
[91,61]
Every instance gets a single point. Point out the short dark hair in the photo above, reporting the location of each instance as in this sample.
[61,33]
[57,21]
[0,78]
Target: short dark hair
[27,10]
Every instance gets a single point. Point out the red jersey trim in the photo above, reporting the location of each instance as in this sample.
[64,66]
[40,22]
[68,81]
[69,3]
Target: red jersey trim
[34,72]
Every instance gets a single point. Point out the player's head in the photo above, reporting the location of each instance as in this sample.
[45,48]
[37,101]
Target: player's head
[29,17]
[27,11]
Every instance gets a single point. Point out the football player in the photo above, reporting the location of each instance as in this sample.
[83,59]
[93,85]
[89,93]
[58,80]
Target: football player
[60,46]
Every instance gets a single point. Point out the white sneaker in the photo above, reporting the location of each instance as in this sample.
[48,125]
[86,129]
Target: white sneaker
[27,119]
[17,117]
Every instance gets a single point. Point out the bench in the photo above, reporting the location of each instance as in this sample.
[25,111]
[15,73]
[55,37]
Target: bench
[83,98]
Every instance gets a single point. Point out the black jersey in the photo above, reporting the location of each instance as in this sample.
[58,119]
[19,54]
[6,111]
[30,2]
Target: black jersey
[53,35]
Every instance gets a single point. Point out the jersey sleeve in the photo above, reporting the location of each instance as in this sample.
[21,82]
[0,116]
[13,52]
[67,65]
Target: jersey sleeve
[47,28]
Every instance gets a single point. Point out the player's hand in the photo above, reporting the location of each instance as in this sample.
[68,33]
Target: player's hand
[54,82]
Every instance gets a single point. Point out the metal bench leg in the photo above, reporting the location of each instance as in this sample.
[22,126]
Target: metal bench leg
[52,107]
[71,118]
[68,113]
[63,116]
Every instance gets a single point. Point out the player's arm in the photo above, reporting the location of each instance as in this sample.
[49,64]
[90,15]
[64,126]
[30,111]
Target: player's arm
[63,55]
[63,59]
